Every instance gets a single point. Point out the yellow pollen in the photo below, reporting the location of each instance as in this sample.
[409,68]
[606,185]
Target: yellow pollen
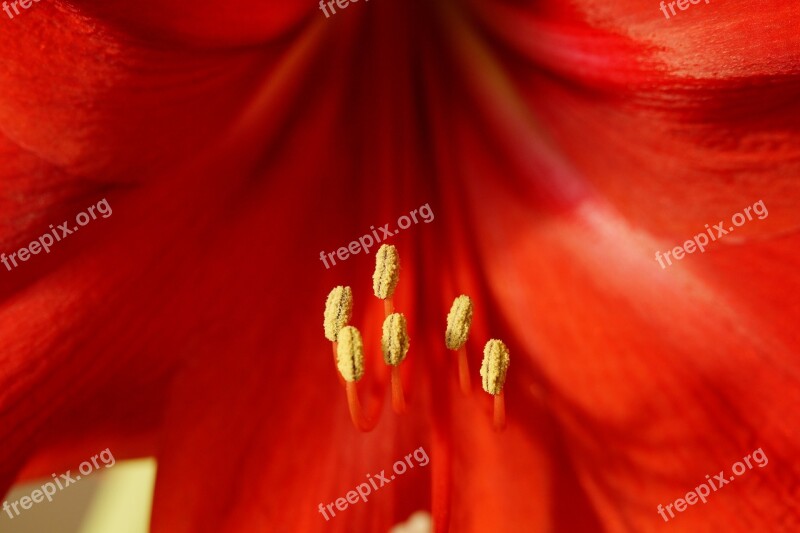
[338,311]
[350,354]
[494,366]
[395,339]
[387,271]
[459,320]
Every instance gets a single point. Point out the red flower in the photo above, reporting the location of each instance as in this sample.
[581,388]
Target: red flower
[559,147]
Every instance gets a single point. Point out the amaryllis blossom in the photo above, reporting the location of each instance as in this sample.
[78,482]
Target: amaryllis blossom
[561,145]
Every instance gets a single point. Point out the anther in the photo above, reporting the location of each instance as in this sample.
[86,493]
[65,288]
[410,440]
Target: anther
[386,276]
[350,354]
[350,360]
[338,311]
[395,339]
[459,320]
[394,343]
[493,372]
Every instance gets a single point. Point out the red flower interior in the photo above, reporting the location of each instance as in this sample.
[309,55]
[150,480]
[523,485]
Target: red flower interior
[559,147]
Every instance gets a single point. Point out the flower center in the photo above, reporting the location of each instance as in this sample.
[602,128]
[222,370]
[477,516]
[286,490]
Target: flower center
[348,348]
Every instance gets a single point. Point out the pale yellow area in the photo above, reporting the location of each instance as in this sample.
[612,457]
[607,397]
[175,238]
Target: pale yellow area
[124,499]
[419,522]
[110,500]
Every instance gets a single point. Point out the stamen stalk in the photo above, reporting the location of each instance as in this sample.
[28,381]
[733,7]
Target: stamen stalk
[360,421]
[463,370]
[398,399]
[499,411]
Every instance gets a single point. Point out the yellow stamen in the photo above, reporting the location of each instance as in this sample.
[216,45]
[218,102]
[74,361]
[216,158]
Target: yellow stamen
[459,320]
[395,339]
[338,311]
[494,366]
[350,354]
[387,272]
[395,347]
